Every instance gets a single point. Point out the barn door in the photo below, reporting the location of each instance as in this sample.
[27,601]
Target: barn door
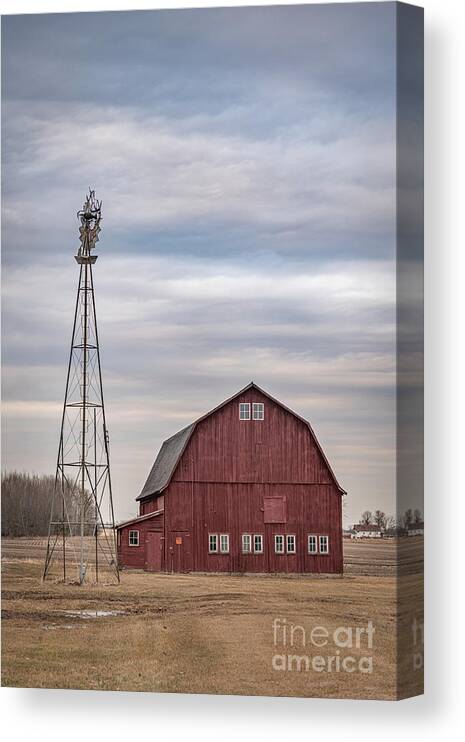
[180,551]
[153,552]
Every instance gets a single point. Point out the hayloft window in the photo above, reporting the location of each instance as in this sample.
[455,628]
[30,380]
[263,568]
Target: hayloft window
[274,509]
[258,543]
[212,543]
[324,545]
[312,545]
[224,543]
[258,411]
[290,544]
[246,543]
[244,411]
[279,544]
[133,538]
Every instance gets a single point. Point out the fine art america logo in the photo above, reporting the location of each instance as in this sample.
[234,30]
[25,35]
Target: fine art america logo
[343,649]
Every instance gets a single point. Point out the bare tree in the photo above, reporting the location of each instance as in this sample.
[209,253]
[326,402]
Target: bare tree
[391,522]
[417,516]
[27,502]
[380,519]
[407,518]
[367,518]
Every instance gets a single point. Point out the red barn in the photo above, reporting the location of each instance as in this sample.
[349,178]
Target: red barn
[245,488]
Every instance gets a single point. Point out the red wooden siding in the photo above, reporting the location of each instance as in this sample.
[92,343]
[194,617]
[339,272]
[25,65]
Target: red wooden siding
[277,449]
[134,556]
[151,505]
[236,509]
[239,477]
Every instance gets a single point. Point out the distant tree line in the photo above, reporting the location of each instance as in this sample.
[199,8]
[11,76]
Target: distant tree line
[383,521]
[27,501]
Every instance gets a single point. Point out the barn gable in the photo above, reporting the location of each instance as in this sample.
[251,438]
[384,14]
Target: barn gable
[172,449]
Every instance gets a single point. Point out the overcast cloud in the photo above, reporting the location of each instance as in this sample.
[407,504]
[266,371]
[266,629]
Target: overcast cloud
[246,161]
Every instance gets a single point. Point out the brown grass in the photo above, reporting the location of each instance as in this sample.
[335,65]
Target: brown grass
[198,634]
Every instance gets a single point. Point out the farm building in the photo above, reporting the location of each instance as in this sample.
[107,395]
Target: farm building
[245,488]
[415,529]
[365,530]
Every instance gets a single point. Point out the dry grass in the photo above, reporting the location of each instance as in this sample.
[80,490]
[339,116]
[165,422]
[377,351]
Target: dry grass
[199,634]
[205,634]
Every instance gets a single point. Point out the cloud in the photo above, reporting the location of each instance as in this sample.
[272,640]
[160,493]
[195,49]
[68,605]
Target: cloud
[156,173]
[246,161]
[191,59]
[180,335]
[166,303]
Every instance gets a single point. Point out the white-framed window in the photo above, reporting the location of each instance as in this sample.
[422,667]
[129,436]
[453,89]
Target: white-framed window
[324,544]
[212,543]
[258,411]
[133,538]
[224,543]
[290,544]
[246,543]
[312,544]
[279,544]
[258,543]
[244,411]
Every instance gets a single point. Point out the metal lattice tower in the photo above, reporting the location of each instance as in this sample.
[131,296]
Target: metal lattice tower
[81,537]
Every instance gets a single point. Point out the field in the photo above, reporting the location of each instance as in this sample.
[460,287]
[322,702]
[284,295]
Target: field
[216,633]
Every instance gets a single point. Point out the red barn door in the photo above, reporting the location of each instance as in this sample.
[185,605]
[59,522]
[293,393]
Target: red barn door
[153,552]
[180,551]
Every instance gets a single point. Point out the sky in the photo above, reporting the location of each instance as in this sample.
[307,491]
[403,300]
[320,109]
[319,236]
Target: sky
[246,162]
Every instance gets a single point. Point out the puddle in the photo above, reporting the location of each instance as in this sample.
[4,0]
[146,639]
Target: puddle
[54,627]
[89,613]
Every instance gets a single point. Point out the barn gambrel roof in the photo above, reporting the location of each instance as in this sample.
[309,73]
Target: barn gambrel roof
[173,448]
[166,461]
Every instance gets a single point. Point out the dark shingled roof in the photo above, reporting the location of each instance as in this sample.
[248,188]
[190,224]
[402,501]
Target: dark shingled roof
[167,458]
[138,518]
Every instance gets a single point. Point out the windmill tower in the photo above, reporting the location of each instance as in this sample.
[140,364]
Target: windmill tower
[81,536]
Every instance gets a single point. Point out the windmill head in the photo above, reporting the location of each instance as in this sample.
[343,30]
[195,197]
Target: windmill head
[89,216]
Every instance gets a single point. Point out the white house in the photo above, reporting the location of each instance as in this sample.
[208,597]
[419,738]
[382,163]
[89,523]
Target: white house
[361,530]
[415,529]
